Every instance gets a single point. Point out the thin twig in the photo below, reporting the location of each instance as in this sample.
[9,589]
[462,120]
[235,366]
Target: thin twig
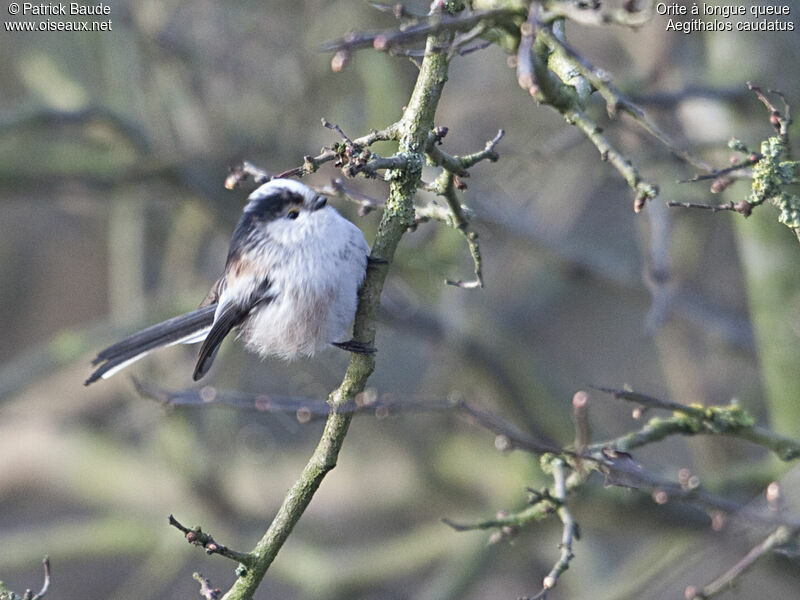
[328,125]
[312,163]
[651,401]
[197,537]
[207,590]
[338,187]
[240,173]
[366,402]
[717,173]
[460,165]
[779,537]
[580,417]
[781,122]
[644,191]
[475,48]
[570,529]
[462,39]
[615,100]
[445,186]
[742,207]
[433,25]
[542,505]
[45,584]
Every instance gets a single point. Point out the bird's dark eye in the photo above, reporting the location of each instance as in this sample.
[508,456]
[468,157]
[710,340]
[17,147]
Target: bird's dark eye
[292,213]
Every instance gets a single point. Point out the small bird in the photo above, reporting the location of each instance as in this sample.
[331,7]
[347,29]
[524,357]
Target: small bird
[289,287]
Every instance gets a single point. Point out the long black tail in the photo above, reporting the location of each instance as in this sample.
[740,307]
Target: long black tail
[189,328]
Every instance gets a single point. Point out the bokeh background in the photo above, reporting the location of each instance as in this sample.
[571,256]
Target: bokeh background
[113,151]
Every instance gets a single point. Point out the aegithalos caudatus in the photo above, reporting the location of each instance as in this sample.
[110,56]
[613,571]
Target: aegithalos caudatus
[290,285]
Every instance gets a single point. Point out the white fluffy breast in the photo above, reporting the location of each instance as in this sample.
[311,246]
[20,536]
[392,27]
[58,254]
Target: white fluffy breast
[315,265]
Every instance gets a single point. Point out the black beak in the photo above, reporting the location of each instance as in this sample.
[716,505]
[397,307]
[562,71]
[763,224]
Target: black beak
[318,202]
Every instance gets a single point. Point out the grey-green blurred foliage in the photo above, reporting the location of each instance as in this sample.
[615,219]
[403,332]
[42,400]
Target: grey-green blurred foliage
[117,217]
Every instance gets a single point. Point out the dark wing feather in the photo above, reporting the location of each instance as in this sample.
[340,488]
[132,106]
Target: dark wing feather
[145,341]
[230,317]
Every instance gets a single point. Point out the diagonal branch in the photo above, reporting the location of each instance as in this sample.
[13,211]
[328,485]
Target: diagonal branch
[398,216]
[779,537]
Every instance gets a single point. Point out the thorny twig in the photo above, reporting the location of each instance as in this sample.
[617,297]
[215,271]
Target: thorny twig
[621,470]
[723,178]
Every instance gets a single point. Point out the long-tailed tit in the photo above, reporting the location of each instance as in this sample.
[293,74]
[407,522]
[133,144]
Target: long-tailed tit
[290,285]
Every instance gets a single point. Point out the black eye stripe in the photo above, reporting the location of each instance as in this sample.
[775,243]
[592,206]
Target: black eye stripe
[291,198]
[275,206]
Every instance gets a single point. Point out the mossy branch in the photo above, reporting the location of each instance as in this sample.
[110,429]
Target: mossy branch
[559,77]
[612,460]
[771,174]
[731,420]
[398,216]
